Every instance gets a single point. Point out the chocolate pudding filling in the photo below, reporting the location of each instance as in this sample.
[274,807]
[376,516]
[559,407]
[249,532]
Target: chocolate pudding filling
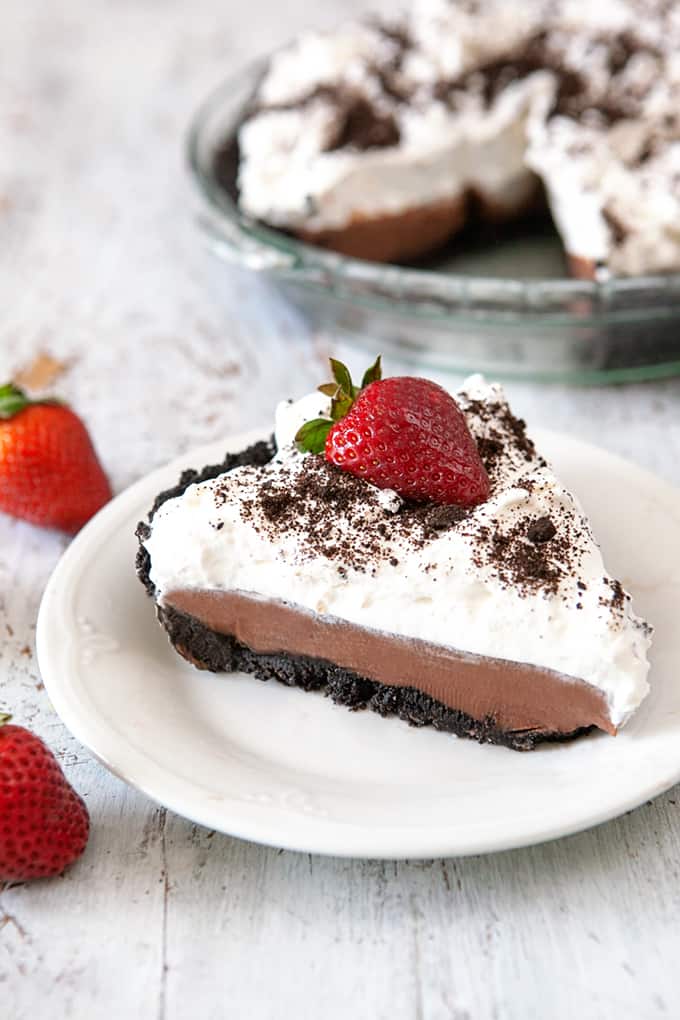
[519,698]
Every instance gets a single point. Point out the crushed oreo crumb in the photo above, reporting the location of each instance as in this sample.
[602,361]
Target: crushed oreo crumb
[542,530]
[538,53]
[490,450]
[435,518]
[498,432]
[522,564]
[618,597]
[359,125]
[307,502]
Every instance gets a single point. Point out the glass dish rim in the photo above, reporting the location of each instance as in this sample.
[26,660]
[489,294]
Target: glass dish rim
[421,293]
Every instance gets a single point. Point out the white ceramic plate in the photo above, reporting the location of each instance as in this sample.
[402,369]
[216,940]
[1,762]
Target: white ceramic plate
[292,769]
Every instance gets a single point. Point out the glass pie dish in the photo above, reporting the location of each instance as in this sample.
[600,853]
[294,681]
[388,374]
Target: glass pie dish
[501,305]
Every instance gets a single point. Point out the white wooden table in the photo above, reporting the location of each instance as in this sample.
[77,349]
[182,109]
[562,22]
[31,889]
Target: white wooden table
[162,349]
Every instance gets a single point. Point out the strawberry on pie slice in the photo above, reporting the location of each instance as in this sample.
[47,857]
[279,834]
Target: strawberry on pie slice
[402,550]
[405,434]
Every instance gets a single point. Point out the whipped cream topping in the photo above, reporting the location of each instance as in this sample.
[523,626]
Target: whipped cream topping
[615,195]
[519,577]
[291,177]
[483,97]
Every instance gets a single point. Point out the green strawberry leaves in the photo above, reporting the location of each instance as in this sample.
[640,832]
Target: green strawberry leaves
[342,377]
[372,374]
[311,438]
[12,400]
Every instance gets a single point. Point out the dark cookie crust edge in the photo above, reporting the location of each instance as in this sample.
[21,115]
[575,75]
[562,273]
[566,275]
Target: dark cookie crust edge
[256,455]
[220,653]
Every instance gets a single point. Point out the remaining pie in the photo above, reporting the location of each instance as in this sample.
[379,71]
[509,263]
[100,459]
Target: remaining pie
[379,140]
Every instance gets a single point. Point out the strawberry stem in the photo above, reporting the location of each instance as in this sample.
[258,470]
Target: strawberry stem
[311,438]
[12,400]
[5,717]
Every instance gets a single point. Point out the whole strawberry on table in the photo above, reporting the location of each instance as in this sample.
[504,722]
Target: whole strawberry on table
[49,471]
[44,824]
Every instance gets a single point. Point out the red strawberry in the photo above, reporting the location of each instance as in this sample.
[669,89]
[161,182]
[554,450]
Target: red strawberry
[44,823]
[49,471]
[401,433]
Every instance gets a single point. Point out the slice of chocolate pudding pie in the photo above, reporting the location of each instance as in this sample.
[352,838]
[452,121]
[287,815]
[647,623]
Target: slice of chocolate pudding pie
[460,587]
